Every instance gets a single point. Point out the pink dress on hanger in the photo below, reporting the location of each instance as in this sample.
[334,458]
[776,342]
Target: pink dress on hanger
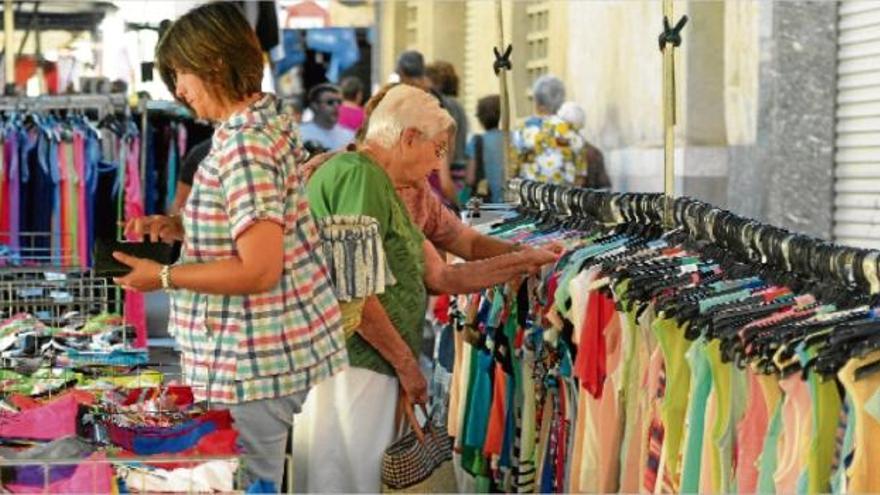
[135,309]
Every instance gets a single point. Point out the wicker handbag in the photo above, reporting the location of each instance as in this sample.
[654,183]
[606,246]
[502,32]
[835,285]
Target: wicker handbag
[419,461]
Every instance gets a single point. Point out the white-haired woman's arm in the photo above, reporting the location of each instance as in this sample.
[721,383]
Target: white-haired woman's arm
[472,276]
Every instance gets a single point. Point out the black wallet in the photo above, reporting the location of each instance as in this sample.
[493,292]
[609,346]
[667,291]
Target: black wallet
[105,265]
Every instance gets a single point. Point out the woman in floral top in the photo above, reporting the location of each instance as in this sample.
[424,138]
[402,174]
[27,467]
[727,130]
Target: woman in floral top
[547,148]
[251,302]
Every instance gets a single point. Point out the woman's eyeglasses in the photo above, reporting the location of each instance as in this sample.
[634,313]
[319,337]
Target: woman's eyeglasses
[441,149]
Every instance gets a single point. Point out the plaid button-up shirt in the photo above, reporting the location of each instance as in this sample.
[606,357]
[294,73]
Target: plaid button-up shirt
[284,340]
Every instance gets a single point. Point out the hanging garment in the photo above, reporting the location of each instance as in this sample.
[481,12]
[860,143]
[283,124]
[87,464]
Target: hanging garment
[135,306]
[863,474]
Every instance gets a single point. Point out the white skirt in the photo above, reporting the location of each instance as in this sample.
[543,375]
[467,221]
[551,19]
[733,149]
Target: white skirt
[346,424]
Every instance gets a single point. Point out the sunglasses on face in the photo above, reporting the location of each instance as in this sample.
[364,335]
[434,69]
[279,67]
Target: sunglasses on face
[332,102]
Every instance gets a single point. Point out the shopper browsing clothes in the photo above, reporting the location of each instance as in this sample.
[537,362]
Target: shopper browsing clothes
[352,417]
[252,307]
[439,224]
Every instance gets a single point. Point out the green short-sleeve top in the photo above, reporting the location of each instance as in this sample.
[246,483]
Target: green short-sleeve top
[353,184]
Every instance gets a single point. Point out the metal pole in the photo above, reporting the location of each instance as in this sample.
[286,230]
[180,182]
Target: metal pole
[8,31]
[505,101]
[668,116]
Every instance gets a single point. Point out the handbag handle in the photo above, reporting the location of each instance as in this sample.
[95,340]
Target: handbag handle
[406,406]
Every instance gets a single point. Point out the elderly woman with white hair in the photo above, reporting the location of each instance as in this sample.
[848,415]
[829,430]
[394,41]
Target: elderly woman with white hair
[547,148]
[349,420]
[597,176]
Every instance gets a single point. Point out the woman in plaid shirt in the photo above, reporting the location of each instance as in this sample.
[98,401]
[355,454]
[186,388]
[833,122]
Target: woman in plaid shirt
[251,302]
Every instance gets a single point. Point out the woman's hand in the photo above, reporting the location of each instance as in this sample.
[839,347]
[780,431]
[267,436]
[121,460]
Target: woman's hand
[413,381]
[144,275]
[554,247]
[158,227]
[535,258]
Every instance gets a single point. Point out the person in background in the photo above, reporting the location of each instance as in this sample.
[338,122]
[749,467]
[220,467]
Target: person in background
[444,80]
[351,113]
[187,173]
[252,305]
[410,69]
[597,176]
[545,147]
[324,129]
[485,152]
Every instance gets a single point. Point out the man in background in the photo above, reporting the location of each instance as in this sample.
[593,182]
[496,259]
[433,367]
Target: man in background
[411,69]
[324,133]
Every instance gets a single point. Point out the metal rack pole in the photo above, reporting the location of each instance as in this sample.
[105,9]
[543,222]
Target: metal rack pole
[668,116]
[670,39]
[99,102]
[8,50]
[502,66]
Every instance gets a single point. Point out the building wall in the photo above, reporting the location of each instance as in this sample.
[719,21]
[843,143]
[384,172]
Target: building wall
[755,92]
[481,35]
[352,15]
[435,28]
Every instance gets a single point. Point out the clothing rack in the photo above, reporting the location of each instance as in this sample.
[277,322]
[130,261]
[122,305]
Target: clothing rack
[747,239]
[50,295]
[147,107]
[104,104]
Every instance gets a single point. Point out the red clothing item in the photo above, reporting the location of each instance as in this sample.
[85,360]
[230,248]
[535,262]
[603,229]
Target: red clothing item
[441,309]
[23,402]
[497,414]
[590,366]
[180,395]
[351,116]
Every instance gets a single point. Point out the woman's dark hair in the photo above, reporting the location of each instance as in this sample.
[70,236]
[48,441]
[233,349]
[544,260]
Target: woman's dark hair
[489,111]
[214,42]
[443,77]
